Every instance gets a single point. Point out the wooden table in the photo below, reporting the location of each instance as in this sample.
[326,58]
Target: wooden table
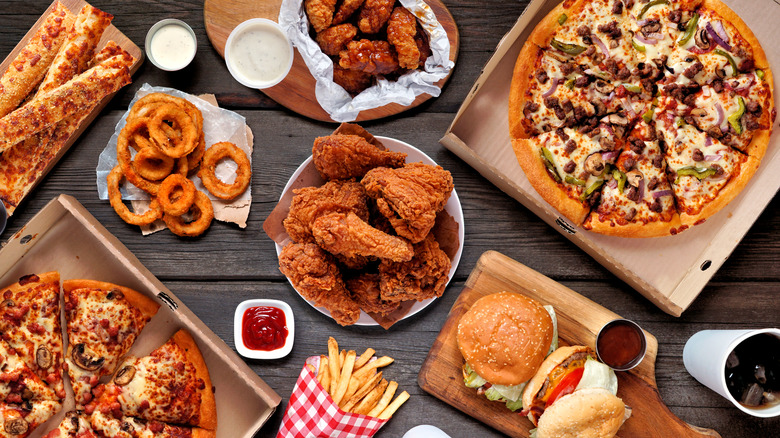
[227,265]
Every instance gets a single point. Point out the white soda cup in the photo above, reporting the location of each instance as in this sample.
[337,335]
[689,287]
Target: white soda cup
[705,356]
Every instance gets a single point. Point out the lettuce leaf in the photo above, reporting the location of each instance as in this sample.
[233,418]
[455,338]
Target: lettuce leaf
[598,375]
[554,345]
[473,380]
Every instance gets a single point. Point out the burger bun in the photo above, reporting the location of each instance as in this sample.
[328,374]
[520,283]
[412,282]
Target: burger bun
[587,413]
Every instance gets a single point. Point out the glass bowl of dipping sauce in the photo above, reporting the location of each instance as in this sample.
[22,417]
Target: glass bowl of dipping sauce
[171,44]
[263,329]
[258,53]
[621,344]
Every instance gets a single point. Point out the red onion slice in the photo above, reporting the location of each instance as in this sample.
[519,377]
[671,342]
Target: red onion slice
[643,40]
[721,115]
[608,128]
[552,89]
[712,157]
[720,30]
[707,141]
[609,156]
[600,44]
[627,106]
[611,96]
[716,37]
[612,183]
[641,188]
[642,22]
[661,193]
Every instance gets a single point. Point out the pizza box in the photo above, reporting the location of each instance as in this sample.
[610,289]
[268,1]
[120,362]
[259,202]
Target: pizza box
[65,237]
[669,271]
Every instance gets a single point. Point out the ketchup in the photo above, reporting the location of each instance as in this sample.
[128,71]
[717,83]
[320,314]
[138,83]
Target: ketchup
[621,345]
[264,328]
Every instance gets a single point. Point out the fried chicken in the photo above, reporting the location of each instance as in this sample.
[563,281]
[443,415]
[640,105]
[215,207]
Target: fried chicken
[374,14]
[365,291]
[409,196]
[353,81]
[423,277]
[348,235]
[401,29]
[350,156]
[335,38]
[314,274]
[320,13]
[345,10]
[310,202]
[375,57]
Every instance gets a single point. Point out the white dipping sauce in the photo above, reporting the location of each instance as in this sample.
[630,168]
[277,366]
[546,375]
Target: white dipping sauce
[172,47]
[260,53]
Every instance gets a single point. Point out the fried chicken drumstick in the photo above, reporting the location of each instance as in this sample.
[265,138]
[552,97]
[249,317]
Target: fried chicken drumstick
[311,202]
[350,156]
[348,235]
[424,276]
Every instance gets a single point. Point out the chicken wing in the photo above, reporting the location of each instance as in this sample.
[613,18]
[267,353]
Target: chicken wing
[314,274]
[310,202]
[409,197]
[350,156]
[401,29]
[346,9]
[353,81]
[335,38]
[348,235]
[365,291]
[320,13]
[374,14]
[424,276]
[375,57]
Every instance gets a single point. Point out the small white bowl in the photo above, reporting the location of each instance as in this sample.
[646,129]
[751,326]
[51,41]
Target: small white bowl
[260,354]
[231,52]
[150,35]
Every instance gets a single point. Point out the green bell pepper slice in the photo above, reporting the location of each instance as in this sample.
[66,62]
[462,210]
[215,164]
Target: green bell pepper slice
[576,181]
[648,115]
[569,84]
[736,119]
[633,88]
[733,63]
[589,191]
[621,179]
[569,49]
[699,172]
[760,73]
[549,162]
[650,5]
[638,47]
[562,19]
[690,30]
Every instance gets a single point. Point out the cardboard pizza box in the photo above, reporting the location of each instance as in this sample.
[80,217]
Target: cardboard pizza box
[670,271]
[65,237]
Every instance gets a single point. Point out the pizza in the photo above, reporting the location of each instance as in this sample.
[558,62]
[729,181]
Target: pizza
[640,118]
[75,425]
[103,321]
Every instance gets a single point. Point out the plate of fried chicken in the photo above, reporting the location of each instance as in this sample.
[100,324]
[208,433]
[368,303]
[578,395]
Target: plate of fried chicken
[374,229]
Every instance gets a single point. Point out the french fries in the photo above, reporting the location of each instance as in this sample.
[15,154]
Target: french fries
[355,384]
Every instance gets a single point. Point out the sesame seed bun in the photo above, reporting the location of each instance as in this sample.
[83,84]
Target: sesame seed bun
[587,413]
[553,360]
[504,337]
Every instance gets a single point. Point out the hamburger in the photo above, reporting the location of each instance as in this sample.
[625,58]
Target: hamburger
[504,338]
[574,395]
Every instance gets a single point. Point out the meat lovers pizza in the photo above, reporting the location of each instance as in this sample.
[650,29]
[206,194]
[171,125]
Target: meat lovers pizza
[640,118]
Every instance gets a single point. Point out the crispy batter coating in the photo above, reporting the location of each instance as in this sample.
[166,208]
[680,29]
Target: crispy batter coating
[374,14]
[315,275]
[423,277]
[401,29]
[310,202]
[346,9]
[365,290]
[320,13]
[350,156]
[375,57]
[348,235]
[335,38]
[410,196]
[353,81]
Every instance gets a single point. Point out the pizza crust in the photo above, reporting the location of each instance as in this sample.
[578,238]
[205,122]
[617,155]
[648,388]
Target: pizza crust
[543,32]
[518,92]
[146,305]
[208,408]
[632,229]
[725,12]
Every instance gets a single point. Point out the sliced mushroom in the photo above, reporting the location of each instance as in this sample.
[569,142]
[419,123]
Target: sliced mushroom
[8,303]
[702,38]
[633,177]
[73,417]
[115,294]
[699,112]
[604,87]
[27,394]
[125,375]
[43,357]
[594,164]
[618,120]
[85,359]
[16,426]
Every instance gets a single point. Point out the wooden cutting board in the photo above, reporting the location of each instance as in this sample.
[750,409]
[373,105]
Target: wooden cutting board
[579,320]
[296,91]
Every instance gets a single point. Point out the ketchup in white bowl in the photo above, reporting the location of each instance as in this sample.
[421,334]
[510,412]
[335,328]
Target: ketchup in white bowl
[264,329]
[258,53]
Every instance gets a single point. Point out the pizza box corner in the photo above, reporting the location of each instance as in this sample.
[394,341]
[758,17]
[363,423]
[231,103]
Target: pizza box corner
[669,271]
[65,237]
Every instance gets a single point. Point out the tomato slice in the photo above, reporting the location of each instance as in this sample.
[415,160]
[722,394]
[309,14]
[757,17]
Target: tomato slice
[566,385]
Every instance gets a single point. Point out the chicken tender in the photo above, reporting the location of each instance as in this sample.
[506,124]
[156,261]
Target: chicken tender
[374,14]
[401,30]
[346,9]
[353,81]
[424,276]
[311,202]
[320,13]
[374,57]
[334,39]
[350,156]
[350,236]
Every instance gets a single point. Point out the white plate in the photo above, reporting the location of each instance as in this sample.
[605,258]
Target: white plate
[238,339]
[452,207]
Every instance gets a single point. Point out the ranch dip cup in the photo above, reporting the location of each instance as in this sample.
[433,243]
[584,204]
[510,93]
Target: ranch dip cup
[258,53]
[171,44]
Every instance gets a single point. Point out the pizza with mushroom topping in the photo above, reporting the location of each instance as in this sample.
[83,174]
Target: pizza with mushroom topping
[640,118]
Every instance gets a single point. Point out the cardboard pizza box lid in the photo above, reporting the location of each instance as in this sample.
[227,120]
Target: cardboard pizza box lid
[65,237]
[669,271]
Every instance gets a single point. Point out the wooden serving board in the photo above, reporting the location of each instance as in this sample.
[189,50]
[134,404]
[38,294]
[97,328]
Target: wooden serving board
[110,34]
[579,320]
[296,91]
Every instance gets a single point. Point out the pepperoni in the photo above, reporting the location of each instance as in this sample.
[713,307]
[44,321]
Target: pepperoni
[32,278]
[156,426]
[36,328]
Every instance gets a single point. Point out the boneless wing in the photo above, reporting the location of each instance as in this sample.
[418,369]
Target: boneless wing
[345,10]
[374,14]
[347,234]
[310,202]
[320,13]
[401,30]
[350,156]
[375,57]
[335,38]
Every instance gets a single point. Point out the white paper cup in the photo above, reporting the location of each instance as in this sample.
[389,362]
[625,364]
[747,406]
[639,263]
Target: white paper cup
[705,356]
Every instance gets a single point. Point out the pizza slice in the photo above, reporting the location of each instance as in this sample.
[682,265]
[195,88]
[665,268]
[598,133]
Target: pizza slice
[704,173]
[30,323]
[567,167]
[74,425]
[637,200]
[171,385]
[103,321]
[129,427]
[27,401]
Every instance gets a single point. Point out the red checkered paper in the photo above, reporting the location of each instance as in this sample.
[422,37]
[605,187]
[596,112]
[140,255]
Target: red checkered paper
[312,413]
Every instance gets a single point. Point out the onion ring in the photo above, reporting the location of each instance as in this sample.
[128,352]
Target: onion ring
[115,198]
[167,142]
[214,185]
[125,162]
[144,106]
[194,158]
[176,185]
[203,212]
[151,164]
